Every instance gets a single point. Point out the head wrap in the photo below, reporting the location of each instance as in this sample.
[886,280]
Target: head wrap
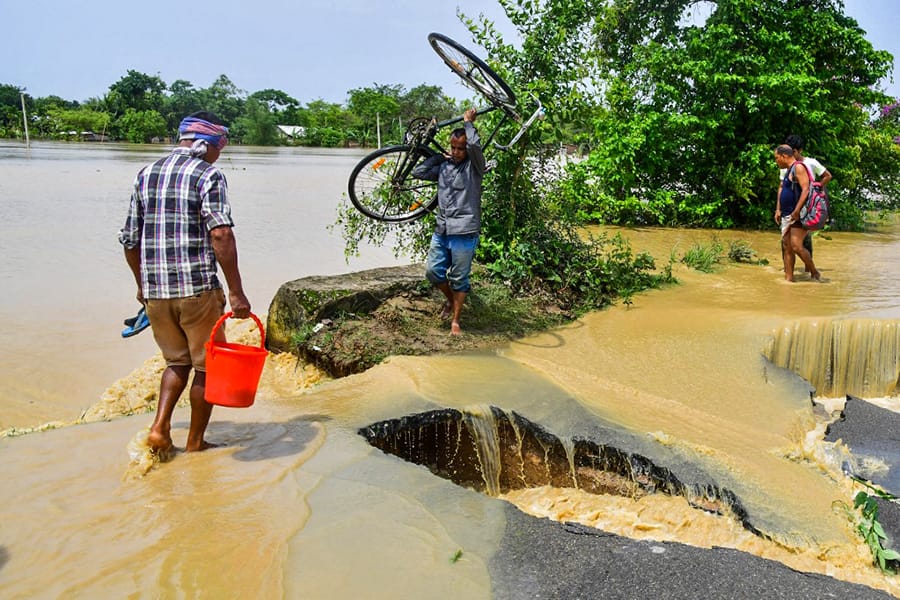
[194,128]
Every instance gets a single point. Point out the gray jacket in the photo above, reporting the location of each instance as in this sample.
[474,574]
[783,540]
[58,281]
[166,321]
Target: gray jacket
[459,187]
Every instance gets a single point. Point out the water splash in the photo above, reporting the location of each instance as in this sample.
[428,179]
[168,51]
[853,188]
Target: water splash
[143,458]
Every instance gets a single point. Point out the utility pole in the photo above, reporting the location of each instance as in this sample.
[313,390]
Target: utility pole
[25,120]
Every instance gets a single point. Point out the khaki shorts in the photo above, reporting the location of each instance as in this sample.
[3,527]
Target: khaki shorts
[181,327]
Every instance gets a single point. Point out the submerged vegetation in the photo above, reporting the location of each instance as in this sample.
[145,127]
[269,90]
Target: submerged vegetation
[706,257]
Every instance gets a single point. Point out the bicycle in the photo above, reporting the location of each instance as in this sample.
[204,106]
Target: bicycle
[381,185]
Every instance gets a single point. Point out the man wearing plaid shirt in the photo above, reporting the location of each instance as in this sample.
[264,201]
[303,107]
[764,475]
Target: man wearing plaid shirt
[178,229]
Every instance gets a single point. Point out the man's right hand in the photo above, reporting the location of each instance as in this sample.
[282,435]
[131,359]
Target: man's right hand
[240,306]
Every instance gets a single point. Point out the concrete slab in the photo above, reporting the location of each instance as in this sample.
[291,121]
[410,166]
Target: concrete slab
[539,558]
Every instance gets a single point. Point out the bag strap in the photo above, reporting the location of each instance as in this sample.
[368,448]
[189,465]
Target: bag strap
[794,182]
[809,171]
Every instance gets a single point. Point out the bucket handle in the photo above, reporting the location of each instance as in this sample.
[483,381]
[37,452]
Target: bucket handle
[262,331]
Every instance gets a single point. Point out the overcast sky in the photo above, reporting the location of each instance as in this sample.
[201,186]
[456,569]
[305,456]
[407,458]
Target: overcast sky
[310,49]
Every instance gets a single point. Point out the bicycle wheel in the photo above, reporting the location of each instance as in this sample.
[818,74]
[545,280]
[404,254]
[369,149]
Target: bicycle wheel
[381,185]
[474,71]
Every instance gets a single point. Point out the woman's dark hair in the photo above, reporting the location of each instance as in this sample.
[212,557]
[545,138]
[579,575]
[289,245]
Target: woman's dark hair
[794,141]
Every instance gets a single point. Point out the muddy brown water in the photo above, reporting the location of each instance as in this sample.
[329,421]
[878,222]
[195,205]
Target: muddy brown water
[297,504]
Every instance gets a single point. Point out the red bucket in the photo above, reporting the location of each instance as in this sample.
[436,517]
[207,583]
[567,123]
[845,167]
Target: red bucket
[233,370]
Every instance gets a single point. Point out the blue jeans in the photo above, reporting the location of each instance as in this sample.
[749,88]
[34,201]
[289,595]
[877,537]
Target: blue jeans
[450,260]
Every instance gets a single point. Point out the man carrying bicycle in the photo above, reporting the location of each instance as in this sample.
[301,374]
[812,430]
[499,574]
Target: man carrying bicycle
[458,219]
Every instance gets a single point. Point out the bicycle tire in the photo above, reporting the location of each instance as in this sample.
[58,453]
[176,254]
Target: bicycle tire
[474,71]
[381,185]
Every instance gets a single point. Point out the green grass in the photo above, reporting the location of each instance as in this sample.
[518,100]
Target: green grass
[704,258]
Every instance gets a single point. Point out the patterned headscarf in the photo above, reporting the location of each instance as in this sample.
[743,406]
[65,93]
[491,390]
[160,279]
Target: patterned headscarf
[193,128]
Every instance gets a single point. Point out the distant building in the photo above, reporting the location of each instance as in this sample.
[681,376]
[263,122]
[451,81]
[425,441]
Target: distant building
[90,136]
[292,132]
[86,136]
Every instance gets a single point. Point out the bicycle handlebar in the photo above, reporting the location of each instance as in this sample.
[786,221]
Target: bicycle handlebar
[538,114]
[478,111]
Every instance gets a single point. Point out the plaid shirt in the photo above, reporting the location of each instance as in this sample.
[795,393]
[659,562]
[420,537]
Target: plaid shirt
[176,202]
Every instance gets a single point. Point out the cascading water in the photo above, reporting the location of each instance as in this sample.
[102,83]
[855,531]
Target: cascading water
[496,451]
[841,356]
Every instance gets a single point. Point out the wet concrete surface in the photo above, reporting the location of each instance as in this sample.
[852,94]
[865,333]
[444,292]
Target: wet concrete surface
[872,432]
[539,558]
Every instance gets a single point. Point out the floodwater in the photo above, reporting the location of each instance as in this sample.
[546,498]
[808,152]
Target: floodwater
[296,504]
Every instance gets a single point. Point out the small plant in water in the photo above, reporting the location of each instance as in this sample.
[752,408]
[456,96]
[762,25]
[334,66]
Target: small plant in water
[456,556]
[740,251]
[704,258]
[871,530]
[868,526]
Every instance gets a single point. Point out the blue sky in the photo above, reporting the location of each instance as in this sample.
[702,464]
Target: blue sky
[310,49]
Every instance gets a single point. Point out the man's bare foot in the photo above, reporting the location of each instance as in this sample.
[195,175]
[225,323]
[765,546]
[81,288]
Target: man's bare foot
[159,443]
[815,276]
[455,329]
[445,311]
[204,445]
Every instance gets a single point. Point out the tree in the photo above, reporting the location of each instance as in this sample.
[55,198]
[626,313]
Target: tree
[327,124]
[257,126]
[692,112]
[137,91]
[11,109]
[682,115]
[880,148]
[427,101]
[282,106]
[374,106]
[65,122]
[224,99]
[181,101]
[141,126]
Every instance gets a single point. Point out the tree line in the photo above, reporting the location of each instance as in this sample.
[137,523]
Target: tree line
[140,108]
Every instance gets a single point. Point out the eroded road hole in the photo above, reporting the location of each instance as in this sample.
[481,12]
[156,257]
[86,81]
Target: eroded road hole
[495,451]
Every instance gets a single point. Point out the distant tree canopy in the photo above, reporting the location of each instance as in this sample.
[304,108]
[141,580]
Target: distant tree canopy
[140,108]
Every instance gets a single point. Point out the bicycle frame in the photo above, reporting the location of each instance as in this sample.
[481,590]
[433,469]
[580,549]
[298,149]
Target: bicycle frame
[429,138]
